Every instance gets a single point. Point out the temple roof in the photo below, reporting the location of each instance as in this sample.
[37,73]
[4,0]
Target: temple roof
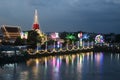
[10,32]
[10,29]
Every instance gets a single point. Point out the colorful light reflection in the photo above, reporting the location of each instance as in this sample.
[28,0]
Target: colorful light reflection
[99,58]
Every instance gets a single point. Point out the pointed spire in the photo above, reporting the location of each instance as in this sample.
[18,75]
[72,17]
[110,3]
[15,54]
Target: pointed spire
[35,24]
[36,17]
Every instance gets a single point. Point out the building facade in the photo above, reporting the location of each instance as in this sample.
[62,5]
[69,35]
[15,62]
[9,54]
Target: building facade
[10,33]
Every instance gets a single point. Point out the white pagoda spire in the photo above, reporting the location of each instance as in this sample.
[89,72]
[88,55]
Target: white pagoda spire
[36,17]
[36,22]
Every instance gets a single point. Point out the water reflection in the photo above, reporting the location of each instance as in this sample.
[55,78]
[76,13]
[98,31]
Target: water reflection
[72,64]
[99,59]
[115,56]
[81,66]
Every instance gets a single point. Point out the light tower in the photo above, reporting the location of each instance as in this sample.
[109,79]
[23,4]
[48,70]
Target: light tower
[36,27]
[36,23]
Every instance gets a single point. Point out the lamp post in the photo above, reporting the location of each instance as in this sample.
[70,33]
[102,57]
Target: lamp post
[92,43]
[88,45]
[73,47]
[61,47]
[38,47]
[72,38]
[80,40]
[54,36]
[59,44]
[54,50]
[46,46]
[78,45]
[67,46]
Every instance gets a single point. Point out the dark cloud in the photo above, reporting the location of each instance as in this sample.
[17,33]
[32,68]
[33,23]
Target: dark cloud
[63,15]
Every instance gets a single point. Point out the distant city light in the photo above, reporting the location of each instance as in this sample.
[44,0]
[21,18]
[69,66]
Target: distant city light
[99,39]
[80,35]
[85,36]
[24,35]
[54,35]
[71,37]
[58,44]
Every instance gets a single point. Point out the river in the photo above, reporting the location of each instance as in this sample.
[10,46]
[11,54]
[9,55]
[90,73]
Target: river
[79,66]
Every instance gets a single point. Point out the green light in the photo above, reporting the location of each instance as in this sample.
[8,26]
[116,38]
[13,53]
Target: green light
[71,37]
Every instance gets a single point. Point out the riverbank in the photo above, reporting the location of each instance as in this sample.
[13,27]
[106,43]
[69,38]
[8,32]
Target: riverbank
[106,49]
[24,56]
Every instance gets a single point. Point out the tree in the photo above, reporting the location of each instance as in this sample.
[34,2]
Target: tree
[19,41]
[118,38]
[33,38]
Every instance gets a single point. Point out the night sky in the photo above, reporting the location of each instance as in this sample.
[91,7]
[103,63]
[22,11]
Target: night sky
[101,16]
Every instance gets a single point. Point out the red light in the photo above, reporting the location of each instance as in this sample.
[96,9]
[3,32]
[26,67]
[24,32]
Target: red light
[35,26]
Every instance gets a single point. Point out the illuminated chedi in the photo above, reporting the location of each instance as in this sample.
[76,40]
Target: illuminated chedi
[36,27]
[36,24]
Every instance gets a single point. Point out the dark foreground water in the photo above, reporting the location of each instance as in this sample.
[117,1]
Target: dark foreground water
[82,66]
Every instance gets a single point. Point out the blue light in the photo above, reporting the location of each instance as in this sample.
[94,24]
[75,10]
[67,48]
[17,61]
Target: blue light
[85,36]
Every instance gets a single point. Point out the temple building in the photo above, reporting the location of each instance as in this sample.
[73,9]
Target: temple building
[36,27]
[10,33]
